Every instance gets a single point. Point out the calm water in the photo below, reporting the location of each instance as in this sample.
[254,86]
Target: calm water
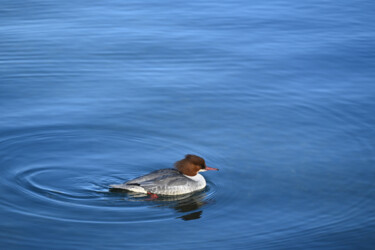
[279,95]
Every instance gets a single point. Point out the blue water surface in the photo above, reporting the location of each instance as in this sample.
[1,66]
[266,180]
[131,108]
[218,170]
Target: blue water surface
[279,95]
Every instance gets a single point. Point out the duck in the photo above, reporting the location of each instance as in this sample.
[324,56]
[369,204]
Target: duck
[184,178]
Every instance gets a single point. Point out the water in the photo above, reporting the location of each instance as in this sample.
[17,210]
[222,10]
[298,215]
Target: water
[278,95]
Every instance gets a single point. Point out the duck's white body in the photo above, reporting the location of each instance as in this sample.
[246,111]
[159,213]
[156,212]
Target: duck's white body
[167,181]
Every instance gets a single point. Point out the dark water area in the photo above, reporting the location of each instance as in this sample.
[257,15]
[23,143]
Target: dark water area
[279,95]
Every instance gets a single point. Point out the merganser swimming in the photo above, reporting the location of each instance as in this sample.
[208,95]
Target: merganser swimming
[182,179]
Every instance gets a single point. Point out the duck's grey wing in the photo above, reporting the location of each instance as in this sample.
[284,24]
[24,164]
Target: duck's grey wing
[153,175]
[135,184]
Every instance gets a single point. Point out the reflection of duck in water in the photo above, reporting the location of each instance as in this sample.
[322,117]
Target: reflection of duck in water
[184,204]
[183,179]
[188,205]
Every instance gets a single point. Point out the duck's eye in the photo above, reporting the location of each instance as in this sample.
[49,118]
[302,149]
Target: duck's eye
[203,166]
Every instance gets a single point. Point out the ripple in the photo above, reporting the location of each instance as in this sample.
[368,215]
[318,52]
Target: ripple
[63,173]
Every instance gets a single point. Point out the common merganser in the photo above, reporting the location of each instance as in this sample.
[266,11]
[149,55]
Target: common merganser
[182,179]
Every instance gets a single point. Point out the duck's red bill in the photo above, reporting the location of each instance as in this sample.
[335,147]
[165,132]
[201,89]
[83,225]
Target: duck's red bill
[209,168]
